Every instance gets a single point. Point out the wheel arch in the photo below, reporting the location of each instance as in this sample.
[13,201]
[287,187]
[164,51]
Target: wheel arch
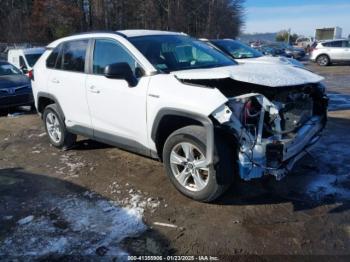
[323,54]
[169,120]
[45,99]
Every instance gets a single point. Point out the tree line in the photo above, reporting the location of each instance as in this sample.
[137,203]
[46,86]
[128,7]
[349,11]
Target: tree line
[41,21]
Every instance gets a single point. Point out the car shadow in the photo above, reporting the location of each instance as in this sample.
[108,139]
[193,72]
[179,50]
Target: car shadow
[89,144]
[46,218]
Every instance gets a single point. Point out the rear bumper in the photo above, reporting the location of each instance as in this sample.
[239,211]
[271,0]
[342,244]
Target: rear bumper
[16,100]
[299,55]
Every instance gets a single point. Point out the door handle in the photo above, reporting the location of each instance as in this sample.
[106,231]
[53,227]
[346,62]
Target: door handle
[93,89]
[55,81]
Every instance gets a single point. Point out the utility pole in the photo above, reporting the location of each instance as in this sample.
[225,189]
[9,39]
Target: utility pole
[289,30]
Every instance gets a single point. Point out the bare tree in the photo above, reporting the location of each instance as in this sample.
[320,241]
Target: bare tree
[46,20]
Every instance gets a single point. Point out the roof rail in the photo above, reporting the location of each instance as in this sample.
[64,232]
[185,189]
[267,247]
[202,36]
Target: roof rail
[101,32]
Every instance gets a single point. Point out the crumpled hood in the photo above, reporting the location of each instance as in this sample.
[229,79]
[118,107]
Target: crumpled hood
[271,60]
[260,74]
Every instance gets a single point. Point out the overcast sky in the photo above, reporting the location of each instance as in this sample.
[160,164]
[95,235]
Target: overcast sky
[302,16]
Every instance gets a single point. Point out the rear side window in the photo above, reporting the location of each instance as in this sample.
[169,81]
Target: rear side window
[73,55]
[333,44]
[346,44]
[51,60]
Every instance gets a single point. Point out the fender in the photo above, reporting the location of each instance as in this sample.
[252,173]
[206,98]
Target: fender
[203,119]
[53,98]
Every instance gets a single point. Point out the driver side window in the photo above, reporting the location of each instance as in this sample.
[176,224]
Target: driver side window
[108,52]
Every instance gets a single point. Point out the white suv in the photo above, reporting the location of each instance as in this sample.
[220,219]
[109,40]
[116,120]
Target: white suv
[327,52]
[171,97]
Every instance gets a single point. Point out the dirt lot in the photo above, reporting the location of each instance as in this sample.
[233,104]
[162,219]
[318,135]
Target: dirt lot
[98,200]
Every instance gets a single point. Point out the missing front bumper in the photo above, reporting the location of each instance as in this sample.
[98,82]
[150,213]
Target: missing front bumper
[278,157]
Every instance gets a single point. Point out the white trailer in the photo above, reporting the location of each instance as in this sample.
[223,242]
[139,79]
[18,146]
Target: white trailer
[328,33]
[24,59]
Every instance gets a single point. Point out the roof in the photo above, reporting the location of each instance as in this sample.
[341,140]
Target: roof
[35,50]
[122,33]
[332,40]
[140,32]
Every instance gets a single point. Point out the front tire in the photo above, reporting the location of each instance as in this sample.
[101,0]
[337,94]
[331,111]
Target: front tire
[184,156]
[323,60]
[56,129]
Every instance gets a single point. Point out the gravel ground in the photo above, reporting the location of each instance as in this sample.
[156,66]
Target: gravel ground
[96,201]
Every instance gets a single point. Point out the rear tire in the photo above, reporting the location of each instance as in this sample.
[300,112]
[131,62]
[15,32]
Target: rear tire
[323,60]
[202,183]
[56,129]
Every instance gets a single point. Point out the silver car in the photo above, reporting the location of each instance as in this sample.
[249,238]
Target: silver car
[327,52]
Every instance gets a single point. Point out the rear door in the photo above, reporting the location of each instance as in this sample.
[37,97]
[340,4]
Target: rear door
[67,82]
[335,50]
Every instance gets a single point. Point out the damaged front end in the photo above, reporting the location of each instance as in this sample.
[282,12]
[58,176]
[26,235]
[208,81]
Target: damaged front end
[274,127]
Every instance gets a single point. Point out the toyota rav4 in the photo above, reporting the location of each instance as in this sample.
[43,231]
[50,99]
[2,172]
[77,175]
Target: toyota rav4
[171,97]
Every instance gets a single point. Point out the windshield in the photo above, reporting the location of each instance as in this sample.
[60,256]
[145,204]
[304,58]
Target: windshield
[32,58]
[237,50]
[7,69]
[177,52]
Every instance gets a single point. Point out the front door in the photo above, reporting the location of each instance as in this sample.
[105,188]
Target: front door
[118,111]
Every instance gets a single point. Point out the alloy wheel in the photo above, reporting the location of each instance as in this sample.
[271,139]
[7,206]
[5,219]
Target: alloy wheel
[53,127]
[188,166]
[323,60]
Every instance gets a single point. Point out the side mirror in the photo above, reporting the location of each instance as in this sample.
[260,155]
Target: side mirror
[121,71]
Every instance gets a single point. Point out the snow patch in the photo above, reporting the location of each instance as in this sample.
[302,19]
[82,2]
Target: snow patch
[72,165]
[328,185]
[331,178]
[25,220]
[15,115]
[338,102]
[75,225]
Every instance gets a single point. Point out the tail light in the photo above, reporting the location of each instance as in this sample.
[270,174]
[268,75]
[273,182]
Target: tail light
[31,75]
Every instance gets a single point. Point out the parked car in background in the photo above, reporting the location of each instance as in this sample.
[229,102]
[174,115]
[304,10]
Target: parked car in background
[305,43]
[256,44]
[15,88]
[288,50]
[272,51]
[174,98]
[24,59]
[243,53]
[332,51]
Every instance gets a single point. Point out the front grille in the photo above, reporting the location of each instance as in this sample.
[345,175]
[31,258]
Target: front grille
[13,90]
[16,100]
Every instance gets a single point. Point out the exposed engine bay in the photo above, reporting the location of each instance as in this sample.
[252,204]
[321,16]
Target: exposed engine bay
[273,126]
